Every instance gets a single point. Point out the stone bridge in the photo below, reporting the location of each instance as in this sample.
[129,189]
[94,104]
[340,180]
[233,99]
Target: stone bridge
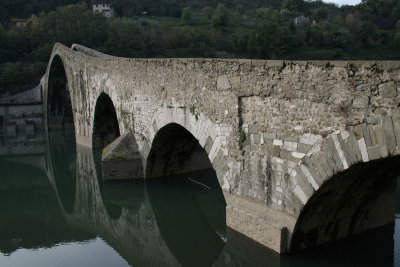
[306,152]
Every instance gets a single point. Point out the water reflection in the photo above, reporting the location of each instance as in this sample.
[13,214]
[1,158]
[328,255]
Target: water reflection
[397,227]
[63,204]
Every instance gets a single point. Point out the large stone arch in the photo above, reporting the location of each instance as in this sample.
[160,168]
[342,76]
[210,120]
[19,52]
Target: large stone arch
[346,183]
[59,113]
[201,128]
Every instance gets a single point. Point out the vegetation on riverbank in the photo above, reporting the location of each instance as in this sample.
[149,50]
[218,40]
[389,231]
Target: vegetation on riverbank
[267,29]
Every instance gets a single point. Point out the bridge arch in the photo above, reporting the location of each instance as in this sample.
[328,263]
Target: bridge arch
[174,151]
[196,125]
[347,184]
[189,220]
[105,122]
[58,100]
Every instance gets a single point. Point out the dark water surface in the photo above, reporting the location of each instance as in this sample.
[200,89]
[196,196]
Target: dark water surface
[55,210]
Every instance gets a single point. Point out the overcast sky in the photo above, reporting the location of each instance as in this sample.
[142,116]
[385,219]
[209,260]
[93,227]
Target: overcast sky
[344,2]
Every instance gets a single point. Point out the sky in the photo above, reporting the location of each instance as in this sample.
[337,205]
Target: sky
[344,2]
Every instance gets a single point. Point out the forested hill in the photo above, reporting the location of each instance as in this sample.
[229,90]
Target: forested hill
[268,29]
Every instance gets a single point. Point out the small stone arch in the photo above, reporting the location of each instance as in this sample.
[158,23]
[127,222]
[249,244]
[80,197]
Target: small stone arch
[201,128]
[348,175]
[105,122]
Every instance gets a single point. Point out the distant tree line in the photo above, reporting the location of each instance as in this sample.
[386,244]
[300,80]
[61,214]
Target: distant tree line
[202,28]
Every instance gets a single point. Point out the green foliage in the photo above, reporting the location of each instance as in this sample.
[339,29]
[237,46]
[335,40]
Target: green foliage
[208,12]
[242,137]
[221,17]
[187,15]
[205,28]
[193,111]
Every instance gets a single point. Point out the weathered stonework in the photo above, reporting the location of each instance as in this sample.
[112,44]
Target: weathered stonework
[303,122]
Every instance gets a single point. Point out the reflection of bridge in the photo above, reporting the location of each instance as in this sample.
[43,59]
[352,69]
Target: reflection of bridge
[129,218]
[23,149]
[305,152]
[130,224]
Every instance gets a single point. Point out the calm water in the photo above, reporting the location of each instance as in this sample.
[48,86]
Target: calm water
[56,211]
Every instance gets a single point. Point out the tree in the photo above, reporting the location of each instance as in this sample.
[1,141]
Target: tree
[208,11]
[221,18]
[293,5]
[364,31]
[272,41]
[187,14]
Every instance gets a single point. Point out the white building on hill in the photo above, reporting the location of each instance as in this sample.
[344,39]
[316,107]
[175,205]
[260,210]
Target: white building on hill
[105,9]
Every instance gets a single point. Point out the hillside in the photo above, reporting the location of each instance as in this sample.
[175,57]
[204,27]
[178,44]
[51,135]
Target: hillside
[267,29]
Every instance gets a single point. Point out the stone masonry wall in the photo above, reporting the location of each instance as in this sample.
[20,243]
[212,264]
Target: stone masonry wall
[271,128]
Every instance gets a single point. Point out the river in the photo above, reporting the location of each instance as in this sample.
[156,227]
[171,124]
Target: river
[57,211]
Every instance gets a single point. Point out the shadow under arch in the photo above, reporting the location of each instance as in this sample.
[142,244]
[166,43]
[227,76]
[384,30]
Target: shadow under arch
[59,108]
[186,197]
[105,125]
[358,199]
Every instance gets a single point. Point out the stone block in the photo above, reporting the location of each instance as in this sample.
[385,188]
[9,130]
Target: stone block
[290,146]
[223,82]
[256,138]
[396,127]
[372,135]
[253,129]
[374,153]
[273,150]
[303,148]
[321,167]
[208,145]
[275,64]
[254,148]
[264,149]
[334,154]
[309,139]
[388,132]
[298,155]
[217,158]
[373,120]
[268,141]
[380,139]
[309,176]
[361,102]
[284,154]
[155,126]
[269,135]
[235,82]
[291,138]
[383,151]
[277,142]
[366,134]
[363,149]
[302,181]
[358,132]
[313,170]
[350,149]
[387,89]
